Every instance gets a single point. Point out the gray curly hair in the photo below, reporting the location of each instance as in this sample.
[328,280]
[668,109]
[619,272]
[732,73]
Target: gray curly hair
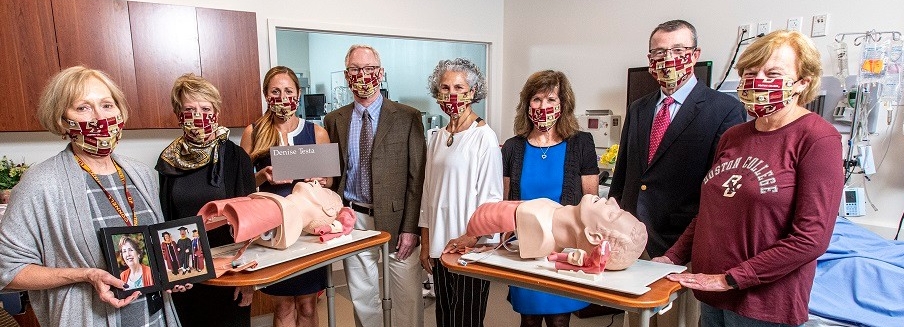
[475,78]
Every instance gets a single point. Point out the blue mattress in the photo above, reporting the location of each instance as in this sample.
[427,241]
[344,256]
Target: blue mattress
[860,278]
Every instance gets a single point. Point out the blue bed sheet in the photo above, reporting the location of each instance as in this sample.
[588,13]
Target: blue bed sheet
[860,278]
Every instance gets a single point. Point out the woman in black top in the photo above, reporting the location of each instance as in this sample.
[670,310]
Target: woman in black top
[200,166]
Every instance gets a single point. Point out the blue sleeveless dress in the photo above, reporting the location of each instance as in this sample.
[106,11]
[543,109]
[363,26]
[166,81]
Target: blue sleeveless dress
[310,282]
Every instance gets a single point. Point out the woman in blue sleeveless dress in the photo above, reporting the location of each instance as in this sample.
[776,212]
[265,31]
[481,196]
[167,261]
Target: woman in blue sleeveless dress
[296,298]
[547,158]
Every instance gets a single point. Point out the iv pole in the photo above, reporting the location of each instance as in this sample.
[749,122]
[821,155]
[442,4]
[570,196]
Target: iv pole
[862,89]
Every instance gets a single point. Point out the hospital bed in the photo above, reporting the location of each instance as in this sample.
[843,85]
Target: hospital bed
[859,280]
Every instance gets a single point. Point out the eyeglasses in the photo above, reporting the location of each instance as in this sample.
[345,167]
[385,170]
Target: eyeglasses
[365,69]
[676,51]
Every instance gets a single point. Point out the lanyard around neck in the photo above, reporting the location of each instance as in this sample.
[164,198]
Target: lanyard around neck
[116,206]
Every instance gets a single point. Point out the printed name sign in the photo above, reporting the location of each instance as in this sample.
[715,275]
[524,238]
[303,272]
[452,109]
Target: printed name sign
[304,161]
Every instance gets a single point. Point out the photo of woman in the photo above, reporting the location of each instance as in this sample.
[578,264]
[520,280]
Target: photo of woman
[137,273]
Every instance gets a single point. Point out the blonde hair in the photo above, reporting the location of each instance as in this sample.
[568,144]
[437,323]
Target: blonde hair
[194,87]
[263,133]
[808,62]
[362,46]
[68,86]
[545,82]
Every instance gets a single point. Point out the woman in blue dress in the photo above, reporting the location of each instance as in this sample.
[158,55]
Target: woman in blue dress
[296,298]
[549,157]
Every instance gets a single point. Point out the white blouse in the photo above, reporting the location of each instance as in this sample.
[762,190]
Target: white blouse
[457,180]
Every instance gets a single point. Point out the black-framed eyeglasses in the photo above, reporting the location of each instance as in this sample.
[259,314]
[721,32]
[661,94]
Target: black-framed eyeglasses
[365,69]
[676,51]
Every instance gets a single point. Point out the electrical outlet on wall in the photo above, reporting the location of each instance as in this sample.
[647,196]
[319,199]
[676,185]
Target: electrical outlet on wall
[744,31]
[794,23]
[763,28]
[820,25]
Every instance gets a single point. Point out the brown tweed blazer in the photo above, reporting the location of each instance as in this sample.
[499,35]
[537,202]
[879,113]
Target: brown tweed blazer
[397,164]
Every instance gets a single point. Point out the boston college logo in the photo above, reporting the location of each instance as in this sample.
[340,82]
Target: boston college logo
[731,186]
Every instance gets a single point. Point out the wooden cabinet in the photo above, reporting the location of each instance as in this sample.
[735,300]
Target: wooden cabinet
[229,60]
[165,41]
[28,58]
[220,45]
[144,47]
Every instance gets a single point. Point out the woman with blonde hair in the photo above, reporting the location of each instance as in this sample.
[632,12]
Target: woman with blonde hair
[296,298]
[48,235]
[200,166]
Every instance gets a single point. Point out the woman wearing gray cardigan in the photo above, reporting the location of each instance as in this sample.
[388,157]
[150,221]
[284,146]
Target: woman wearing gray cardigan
[48,236]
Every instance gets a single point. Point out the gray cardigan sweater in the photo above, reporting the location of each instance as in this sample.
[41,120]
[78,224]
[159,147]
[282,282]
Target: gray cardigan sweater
[44,226]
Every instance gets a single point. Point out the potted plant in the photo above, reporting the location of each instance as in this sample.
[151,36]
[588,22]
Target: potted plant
[10,173]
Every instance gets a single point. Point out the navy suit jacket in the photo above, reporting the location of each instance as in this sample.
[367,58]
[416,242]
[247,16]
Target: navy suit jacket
[665,194]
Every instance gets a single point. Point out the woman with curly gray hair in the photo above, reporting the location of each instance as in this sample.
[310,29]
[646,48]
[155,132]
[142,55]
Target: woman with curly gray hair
[463,170]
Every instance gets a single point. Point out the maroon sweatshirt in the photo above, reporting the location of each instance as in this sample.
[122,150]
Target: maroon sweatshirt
[767,210]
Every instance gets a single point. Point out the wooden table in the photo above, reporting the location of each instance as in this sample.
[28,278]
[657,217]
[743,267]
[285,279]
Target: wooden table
[270,275]
[662,292]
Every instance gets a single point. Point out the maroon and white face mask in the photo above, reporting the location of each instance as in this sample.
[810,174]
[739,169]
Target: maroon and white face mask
[454,104]
[545,118]
[764,96]
[672,71]
[363,85]
[196,126]
[283,108]
[97,137]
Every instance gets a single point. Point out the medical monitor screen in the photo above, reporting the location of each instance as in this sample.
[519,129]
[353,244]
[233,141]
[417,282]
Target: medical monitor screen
[314,105]
[641,83]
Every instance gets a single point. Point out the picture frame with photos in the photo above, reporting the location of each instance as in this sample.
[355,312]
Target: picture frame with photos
[171,253]
[127,247]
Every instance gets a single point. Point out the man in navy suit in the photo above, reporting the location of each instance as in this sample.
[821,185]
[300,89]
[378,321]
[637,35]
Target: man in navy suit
[669,139]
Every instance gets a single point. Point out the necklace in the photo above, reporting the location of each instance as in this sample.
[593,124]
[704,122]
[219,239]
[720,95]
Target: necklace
[543,156]
[116,206]
[452,134]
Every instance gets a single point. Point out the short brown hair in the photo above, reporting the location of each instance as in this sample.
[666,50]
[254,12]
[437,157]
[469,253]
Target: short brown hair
[674,25]
[547,81]
[65,88]
[808,62]
[194,87]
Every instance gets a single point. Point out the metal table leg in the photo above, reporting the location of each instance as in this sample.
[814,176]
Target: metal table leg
[387,294]
[330,298]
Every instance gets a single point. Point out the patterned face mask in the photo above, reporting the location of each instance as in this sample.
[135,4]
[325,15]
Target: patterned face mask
[545,118]
[196,126]
[97,137]
[454,104]
[363,85]
[283,108]
[764,96]
[670,71]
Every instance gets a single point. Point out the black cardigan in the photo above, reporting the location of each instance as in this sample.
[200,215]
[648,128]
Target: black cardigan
[580,160]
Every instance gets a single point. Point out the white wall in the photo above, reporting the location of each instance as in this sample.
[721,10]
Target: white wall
[594,42]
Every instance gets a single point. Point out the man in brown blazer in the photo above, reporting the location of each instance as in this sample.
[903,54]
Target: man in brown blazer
[382,153]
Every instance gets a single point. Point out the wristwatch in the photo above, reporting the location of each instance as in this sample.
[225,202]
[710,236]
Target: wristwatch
[732,283]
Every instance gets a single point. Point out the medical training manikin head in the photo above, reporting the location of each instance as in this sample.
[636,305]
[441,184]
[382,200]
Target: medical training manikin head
[544,226]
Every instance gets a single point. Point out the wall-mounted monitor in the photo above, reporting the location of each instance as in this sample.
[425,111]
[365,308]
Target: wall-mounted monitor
[641,83]
[314,106]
